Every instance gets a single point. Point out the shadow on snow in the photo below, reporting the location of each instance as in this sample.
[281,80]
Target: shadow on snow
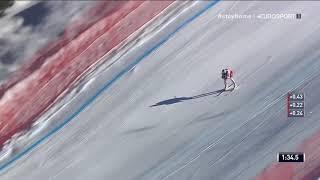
[182,99]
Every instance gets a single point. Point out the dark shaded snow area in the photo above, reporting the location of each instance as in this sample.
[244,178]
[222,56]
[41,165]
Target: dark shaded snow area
[28,26]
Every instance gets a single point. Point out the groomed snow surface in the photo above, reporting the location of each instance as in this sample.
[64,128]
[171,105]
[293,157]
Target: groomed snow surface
[160,113]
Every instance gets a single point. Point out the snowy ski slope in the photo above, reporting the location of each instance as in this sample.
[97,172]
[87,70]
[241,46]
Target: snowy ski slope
[161,114]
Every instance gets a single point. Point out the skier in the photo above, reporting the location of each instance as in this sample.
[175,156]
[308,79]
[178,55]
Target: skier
[228,74]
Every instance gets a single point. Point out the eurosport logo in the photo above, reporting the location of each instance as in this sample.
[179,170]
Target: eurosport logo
[263,16]
[278,16]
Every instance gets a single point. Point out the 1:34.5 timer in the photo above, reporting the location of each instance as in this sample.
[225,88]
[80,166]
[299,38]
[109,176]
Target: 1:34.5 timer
[291,157]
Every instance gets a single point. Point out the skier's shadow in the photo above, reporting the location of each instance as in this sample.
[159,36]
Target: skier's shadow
[181,99]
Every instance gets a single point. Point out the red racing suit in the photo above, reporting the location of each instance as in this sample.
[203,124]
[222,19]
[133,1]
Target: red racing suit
[227,73]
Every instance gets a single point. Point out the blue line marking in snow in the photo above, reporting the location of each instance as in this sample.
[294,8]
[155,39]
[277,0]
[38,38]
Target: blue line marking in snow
[105,87]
